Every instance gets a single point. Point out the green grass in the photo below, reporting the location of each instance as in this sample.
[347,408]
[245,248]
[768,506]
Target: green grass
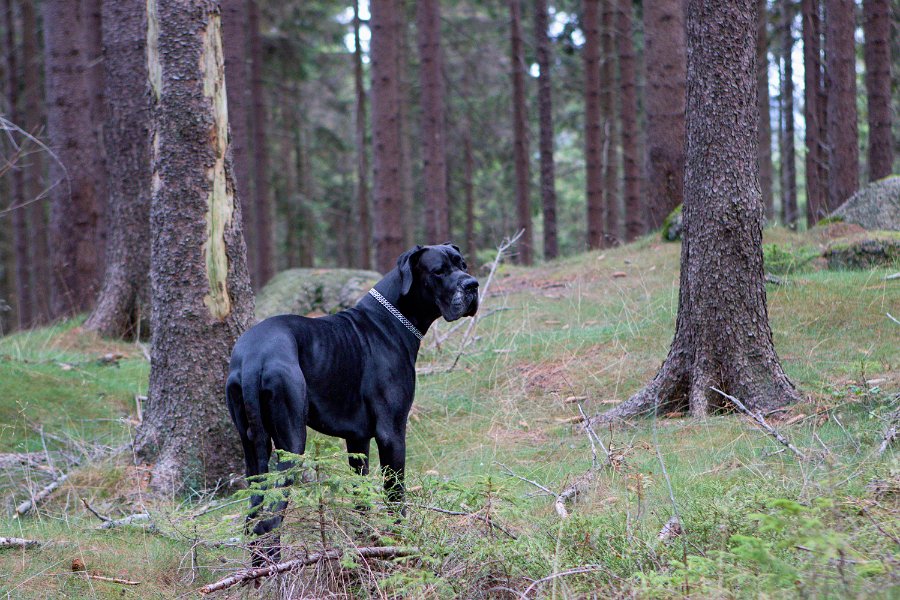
[570,328]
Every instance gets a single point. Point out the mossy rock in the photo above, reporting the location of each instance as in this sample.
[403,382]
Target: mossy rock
[673,226]
[882,250]
[306,291]
[876,206]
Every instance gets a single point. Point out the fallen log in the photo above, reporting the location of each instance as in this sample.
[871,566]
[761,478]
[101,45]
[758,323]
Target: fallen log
[14,542]
[42,495]
[289,565]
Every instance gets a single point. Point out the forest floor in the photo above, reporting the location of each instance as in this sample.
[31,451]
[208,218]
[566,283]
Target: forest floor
[755,520]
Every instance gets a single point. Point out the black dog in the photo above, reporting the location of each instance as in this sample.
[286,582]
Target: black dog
[350,375]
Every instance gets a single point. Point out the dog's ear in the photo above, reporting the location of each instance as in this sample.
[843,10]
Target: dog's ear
[405,265]
[454,246]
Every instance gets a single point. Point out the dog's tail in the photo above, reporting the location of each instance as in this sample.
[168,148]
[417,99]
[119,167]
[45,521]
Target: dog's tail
[242,391]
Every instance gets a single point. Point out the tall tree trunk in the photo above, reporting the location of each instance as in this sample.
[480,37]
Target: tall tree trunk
[387,175]
[237,66]
[843,149]
[593,124]
[545,116]
[664,58]
[200,287]
[634,216]
[722,335]
[33,103]
[877,22]
[788,153]
[93,40]
[437,209]
[16,198]
[410,221]
[262,202]
[78,196]
[468,171]
[813,112]
[611,235]
[123,303]
[520,135]
[765,124]
[364,256]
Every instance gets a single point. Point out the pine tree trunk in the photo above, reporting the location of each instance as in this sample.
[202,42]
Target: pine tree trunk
[262,202]
[664,57]
[123,305]
[78,199]
[16,198]
[434,174]
[520,135]
[202,300]
[813,112]
[722,336]
[788,153]
[387,173]
[765,125]
[593,124]
[33,103]
[409,221]
[843,150]
[545,116]
[237,59]
[364,255]
[877,22]
[611,235]
[634,215]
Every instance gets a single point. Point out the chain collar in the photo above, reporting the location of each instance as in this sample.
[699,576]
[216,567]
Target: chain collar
[393,310]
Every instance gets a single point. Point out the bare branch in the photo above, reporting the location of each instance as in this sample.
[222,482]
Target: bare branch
[762,423]
[14,542]
[890,434]
[134,519]
[42,495]
[290,565]
[511,473]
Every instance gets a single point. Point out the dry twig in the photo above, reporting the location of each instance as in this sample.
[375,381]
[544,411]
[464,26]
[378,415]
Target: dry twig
[14,542]
[762,423]
[890,434]
[112,579]
[296,563]
[42,495]
[135,519]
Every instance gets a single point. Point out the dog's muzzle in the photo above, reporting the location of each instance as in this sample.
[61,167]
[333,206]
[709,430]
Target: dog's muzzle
[470,297]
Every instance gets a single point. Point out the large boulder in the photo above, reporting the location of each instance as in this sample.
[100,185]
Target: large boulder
[313,291]
[876,206]
[876,249]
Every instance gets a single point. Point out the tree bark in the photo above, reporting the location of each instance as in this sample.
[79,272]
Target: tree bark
[200,286]
[123,304]
[664,57]
[788,153]
[611,236]
[262,202]
[364,255]
[387,176]
[16,198]
[813,112]
[765,125]
[33,102]
[545,117]
[843,150]
[877,51]
[434,174]
[520,135]
[634,216]
[78,197]
[237,65]
[593,124]
[409,221]
[722,335]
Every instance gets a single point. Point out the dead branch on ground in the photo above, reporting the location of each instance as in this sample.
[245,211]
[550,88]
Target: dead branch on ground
[762,423]
[14,542]
[112,579]
[135,519]
[296,563]
[890,434]
[42,495]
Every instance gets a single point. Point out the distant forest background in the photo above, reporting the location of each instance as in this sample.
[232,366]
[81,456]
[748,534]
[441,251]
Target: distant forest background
[594,167]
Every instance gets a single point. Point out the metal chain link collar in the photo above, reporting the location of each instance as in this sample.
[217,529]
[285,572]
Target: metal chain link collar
[393,310]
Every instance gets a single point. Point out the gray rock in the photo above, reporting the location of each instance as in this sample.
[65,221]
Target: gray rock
[305,291]
[876,206]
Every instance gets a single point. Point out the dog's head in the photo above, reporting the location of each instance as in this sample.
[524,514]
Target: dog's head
[440,275]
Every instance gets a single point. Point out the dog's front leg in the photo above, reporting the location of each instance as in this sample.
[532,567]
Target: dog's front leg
[392,453]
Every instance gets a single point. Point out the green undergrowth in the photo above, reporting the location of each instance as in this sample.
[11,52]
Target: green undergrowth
[756,520]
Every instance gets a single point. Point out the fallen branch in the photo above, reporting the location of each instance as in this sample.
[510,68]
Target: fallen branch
[103,518]
[571,492]
[42,495]
[135,519]
[552,576]
[501,249]
[890,434]
[112,579]
[473,515]
[511,473]
[762,423]
[592,435]
[14,542]
[290,565]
